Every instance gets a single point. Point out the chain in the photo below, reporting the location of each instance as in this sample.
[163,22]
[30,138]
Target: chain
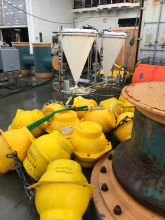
[52,101]
[20,170]
[120,124]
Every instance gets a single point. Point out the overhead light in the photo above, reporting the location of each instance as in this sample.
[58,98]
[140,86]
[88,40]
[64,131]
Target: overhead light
[17,29]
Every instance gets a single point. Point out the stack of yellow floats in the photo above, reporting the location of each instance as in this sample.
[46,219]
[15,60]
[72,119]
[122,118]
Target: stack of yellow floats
[46,158]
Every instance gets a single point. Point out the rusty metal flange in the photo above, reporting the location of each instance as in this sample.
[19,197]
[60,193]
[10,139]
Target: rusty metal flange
[115,203]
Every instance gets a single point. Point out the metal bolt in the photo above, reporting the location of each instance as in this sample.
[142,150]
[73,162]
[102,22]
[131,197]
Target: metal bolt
[104,187]
[103,169]
[110,157]
[117,210]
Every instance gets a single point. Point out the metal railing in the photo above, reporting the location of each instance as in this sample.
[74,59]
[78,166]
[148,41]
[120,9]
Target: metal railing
[95,3]
[158,61]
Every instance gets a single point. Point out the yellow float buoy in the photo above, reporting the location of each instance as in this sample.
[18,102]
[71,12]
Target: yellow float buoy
[63,191]
[104,117]
[25,118]
[65,122]
[11,141]
[52,107]
[115,72]
[43,151]
[129,105]
[115,105]
[83,102]
[89,143]
[122,99]
[124,131]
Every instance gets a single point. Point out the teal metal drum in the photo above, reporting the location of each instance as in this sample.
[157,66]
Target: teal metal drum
[42,60]
[23,49]
[139,163]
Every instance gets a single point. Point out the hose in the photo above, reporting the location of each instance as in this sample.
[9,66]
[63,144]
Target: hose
[27,88]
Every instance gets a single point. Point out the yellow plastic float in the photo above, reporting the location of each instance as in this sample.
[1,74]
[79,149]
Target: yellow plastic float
[129,104]
[11,141]
[89,143]
[104,117]
[115,105]
[43,151]
[52,107]
[65,122]
[122,99]
[25,118]
[115,72]
[63,192]
[124,131]
[83,102]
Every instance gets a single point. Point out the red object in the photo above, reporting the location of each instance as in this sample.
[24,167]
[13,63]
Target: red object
[75,108]
[147,73]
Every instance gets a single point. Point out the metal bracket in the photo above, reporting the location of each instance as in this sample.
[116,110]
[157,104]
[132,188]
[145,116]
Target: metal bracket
[163,45]
[149,45]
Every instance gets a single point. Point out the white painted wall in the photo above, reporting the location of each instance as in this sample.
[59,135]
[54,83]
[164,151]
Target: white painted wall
[148,31]
[53,10]
[97,21]
[62,11]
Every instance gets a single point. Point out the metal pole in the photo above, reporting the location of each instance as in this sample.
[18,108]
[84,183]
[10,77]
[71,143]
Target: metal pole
[62,79]
[156,39]
[59,63]
[88,65]
[3,13]
[96,59]
[101,57]
[90,61]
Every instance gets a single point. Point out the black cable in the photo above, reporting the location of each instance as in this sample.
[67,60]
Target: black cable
[56,22]
[26,88]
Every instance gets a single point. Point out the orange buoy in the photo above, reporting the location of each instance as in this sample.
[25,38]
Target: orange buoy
[147,73]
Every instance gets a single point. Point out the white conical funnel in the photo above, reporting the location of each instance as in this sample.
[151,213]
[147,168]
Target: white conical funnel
[111,48]
[76,49]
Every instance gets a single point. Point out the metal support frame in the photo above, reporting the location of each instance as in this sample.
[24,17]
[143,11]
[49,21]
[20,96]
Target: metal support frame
[61,92]
[92,92]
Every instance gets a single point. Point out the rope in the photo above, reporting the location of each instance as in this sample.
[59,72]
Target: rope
[37,123]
